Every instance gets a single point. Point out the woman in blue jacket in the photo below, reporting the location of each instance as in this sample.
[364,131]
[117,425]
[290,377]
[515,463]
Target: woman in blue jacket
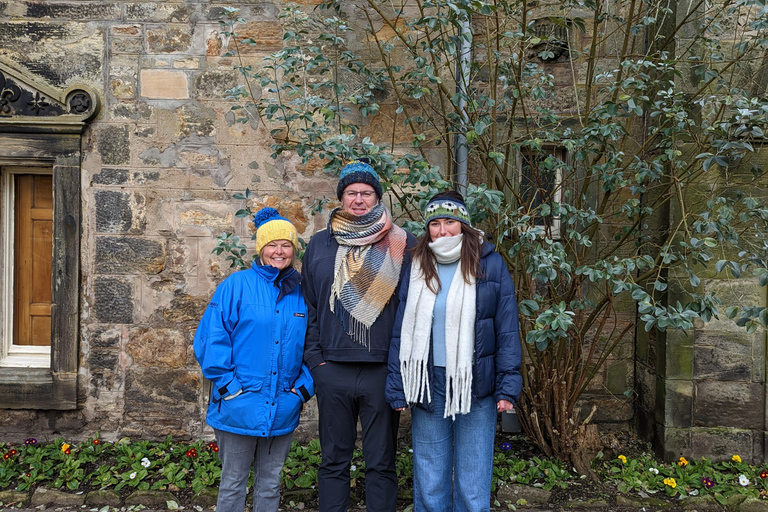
[455,356]
[250,344]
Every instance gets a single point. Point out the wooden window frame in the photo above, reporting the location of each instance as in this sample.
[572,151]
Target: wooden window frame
[51,386]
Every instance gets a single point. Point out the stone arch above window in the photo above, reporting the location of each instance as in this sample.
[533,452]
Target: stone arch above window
[40,132]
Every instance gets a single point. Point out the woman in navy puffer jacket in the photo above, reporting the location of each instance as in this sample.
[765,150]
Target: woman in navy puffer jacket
[455,356]
[250,344]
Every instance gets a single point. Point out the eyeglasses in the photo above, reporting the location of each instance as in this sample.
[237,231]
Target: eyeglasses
[351,194]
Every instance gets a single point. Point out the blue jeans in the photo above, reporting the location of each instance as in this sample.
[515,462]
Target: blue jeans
[452,459]
[237,454]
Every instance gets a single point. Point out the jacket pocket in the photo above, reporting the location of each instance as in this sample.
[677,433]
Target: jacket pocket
[288,412]
[248,411]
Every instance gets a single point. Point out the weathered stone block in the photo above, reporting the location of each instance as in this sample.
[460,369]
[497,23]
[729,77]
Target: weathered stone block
[747,292]
[267,35]
[752,504]
[104,338]
[618,377]
[706,503]
[47,497]
[678,399]
[159,11]
[103,359]
[721,444]
[113,211]
[673,443]
[214,83]
[679,355]
[109,176]
[643,503]
[127,45]
[208,496]
[514,492]
[196,121]
[133,30]
[183,256]
[160,391]
[204,220]
[169,39]
[291,210]
[129,255]
[151,499]
[74,11]
[11,498]
[729,404]
[164,84]
[610,409]
[123,87]
[722,357]
[113,300]
[183,308]
[164,348]
[102,498]
[113,145]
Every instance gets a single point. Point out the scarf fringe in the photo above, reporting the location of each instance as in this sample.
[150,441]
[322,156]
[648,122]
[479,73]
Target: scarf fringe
[354,328]
[458,395]
[416,384]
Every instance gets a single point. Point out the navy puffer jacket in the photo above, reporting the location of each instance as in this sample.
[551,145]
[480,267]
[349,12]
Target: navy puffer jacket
[496,365]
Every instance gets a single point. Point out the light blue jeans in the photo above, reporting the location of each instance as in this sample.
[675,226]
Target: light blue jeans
[237,454]
[452,459]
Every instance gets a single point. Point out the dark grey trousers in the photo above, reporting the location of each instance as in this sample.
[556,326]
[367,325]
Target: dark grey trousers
[346,392]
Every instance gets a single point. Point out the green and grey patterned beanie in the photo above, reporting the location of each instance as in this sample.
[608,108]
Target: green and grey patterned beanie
[446,208]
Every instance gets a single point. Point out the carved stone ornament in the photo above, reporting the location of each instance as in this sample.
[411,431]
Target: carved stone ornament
[27,101]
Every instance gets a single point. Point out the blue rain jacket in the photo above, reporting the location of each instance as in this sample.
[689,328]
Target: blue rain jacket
[251,340]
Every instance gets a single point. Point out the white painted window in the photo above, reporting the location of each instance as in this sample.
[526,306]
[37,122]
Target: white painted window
[26,218]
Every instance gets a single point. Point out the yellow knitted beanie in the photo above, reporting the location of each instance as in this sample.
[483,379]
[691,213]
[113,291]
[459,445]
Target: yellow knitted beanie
[271,226]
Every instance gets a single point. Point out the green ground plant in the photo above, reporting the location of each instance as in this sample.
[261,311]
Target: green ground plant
[174,465]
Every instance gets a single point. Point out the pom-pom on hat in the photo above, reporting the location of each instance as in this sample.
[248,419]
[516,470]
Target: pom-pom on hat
[446,208]
[358,171]
[271,226]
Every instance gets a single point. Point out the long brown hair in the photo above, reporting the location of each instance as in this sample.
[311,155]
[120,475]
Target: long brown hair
[470,252]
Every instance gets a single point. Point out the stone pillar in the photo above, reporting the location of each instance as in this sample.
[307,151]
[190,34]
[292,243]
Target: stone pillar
[710,381]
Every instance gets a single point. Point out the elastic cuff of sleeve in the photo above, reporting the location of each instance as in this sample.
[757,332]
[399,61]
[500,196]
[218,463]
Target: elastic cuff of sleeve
[304,393]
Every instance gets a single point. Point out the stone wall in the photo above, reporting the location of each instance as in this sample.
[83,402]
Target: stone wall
[710,396]
[160,166]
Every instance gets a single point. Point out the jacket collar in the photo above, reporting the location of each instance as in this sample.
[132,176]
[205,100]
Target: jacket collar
[286,280]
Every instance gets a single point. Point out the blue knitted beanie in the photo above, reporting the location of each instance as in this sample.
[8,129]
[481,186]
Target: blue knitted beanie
[358,172]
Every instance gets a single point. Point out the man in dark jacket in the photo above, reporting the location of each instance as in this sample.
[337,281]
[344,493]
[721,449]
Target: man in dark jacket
[351,273]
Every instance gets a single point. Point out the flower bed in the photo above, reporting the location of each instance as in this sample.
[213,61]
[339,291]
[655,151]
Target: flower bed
[186,468]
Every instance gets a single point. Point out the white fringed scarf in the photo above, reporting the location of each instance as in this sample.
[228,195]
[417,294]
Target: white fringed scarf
[416,333]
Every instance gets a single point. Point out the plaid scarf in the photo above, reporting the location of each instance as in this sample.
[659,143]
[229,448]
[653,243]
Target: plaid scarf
[367,267]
